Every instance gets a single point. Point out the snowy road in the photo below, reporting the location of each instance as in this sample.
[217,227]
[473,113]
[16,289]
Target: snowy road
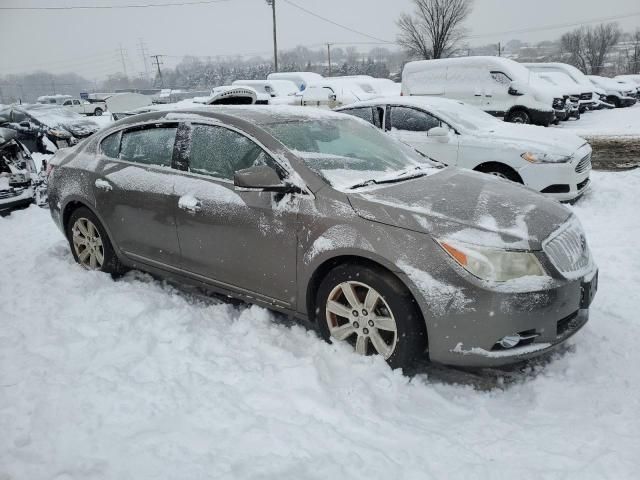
[129,379]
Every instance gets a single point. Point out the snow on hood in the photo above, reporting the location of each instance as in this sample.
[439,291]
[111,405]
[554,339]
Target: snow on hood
[465,205]
[532,137]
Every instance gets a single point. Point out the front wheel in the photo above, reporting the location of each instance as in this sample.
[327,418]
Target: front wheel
[90,244]
[371,310]
[518,116]
[97,112]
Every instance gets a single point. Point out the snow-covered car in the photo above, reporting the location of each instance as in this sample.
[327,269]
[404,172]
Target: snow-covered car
[333,92]
[571,90]
[301,79]
[497,85]
[620,95]
[278,92]
[84,107]
[630,85]
[591,96]
[550,161]
[323,217]
[630,79]
[18,175]
[45,128]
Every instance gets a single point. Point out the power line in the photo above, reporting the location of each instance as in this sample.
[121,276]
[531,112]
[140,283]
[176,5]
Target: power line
[105,7]
[334,23]
[556,26]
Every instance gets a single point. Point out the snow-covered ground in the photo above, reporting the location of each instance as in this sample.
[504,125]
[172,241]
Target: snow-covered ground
[606,123]
[132,379]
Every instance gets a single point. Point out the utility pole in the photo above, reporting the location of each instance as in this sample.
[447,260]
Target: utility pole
[329,57]
[272,4]
[499,49]
[145,57]
[158,63]
[124,64]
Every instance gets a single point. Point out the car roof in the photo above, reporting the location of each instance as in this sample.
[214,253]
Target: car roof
[409,101]
[255,114]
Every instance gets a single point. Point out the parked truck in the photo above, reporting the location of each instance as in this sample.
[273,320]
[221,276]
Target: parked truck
[84,107]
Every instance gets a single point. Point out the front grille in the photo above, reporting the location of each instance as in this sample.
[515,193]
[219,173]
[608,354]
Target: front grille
[585,96]
[584,164]
[568,250]
[558,103]
[10,193]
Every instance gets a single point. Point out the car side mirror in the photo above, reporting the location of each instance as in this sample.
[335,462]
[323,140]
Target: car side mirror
[261,177]
[516,89]
[441,134]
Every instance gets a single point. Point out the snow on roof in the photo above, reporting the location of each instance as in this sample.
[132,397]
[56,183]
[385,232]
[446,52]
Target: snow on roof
[279,87]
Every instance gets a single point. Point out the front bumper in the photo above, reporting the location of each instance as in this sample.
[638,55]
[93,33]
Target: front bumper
[561,181]
[22,200]
[627,101]
[550,316]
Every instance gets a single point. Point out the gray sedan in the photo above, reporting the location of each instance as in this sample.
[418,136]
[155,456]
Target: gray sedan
[323,217]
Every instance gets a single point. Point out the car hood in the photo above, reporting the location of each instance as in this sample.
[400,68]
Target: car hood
[531,137]
[467,206]
[81,128]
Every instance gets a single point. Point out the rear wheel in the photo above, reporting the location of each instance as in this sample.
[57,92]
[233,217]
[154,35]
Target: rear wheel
[90,244]
[97,112]
[371,310]
[518,116]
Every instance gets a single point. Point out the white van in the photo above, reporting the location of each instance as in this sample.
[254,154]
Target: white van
[301,79]
[590,96]
[497,85]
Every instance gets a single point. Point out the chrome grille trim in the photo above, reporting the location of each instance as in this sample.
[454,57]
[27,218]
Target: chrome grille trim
[568,251]
[584,164]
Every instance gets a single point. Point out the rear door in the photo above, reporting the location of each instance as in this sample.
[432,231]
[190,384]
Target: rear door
[411,126]
[134,192]
[243,240]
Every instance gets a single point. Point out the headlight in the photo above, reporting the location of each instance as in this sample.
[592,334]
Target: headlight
[536,157]
[492,263]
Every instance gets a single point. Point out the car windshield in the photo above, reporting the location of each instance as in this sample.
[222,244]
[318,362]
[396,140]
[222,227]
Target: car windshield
[465,117]
[347,152]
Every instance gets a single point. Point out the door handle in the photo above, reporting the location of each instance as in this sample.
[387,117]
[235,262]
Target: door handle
[190,204]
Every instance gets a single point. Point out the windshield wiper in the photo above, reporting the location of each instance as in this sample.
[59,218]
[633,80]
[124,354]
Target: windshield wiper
[404,175]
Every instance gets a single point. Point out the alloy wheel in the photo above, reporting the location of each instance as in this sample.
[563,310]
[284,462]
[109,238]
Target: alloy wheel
[87,244]
[358,314]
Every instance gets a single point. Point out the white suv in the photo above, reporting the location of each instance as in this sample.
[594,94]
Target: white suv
[550,161]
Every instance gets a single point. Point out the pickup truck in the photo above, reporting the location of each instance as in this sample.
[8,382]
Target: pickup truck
[85,108]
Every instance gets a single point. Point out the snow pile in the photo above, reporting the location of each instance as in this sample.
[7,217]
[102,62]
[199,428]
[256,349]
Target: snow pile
[104,379]
[606,123]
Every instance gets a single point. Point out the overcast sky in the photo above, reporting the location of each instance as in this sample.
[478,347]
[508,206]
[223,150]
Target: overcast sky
[87,41]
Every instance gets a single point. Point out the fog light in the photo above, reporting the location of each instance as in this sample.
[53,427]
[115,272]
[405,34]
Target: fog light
[509,341]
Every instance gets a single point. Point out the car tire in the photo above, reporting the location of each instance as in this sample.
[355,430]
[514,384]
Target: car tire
[500,170]
[518,116]
[97,112]
[90,244]
[386,319]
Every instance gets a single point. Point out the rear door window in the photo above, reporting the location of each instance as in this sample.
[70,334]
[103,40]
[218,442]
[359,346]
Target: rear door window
[365,113]
[412,120]
[149,146]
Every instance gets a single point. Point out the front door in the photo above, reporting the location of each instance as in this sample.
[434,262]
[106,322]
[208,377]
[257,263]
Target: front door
[135,195]
[411,126]
[245,240]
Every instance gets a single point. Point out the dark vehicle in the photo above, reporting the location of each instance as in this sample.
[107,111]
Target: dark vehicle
[17,173]
[323,217]
[45,128]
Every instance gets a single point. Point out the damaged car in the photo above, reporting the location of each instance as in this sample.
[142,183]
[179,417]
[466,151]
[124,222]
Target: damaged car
[323,217]
[18,177]
[46,128]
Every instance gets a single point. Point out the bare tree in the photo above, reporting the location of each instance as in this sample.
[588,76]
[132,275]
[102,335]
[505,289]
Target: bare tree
[633,54]
[588,47]
[434,28]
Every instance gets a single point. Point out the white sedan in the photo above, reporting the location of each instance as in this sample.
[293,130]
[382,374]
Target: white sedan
[550,161]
